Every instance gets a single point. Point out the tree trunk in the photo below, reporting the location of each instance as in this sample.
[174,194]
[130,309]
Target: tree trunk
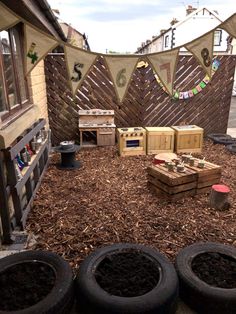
[219,197]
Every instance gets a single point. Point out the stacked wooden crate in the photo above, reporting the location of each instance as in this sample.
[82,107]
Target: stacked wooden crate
[175,185]
[172,185]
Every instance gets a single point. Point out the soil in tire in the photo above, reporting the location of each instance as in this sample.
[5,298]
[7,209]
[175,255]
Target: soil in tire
[25,284]
[215,269]
[127,274]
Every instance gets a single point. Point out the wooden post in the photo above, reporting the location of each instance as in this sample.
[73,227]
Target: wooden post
[219,197]
[4,208]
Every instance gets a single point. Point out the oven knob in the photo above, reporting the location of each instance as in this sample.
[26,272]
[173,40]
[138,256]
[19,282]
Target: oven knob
[141,134]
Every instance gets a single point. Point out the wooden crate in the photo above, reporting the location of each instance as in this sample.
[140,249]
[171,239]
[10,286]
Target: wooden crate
[172,185]
[160,140]
[207,176]
[188,138]
[131,141]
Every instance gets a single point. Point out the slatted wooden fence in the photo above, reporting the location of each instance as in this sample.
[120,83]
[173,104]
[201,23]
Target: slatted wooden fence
[146,104]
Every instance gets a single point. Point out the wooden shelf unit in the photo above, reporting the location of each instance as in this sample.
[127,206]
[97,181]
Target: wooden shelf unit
[23,191]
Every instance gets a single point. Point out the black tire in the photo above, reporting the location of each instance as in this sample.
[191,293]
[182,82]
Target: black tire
[231,148]
[215,136]
[61,297]
[91,298]
[199,295]
[225,141]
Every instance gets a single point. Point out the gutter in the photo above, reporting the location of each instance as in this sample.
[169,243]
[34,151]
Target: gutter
[51,17]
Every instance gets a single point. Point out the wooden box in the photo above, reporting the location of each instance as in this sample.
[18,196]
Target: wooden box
[188,138]
[131,141]
[160,140]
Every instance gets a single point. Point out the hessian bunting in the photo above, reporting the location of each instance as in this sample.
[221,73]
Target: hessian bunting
[121,70]
[202,49]
[164,64]
[230,25]
[78,63]
[38,45]
[7,19]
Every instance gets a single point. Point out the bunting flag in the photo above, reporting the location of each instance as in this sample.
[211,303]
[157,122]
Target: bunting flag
[164,64]
[202,49]
[121,70]
[230,25]
[121,67]
[78,63]
[7,19]
[38,44]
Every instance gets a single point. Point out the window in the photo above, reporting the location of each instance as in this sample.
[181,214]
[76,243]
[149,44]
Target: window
[13,85]
[166,41]
[217,37]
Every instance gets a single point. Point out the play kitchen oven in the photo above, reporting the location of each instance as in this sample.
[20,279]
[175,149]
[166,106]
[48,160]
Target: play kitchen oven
[131,141]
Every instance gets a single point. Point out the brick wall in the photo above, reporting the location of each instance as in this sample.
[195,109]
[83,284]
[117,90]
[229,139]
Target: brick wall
[38,92]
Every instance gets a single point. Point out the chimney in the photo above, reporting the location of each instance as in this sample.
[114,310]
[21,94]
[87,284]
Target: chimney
[190,9]
[162,31]
[174,21]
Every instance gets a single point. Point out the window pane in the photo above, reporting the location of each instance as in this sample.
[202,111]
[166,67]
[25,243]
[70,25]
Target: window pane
[19,62]
[2,96]
[8,69]
[217,38]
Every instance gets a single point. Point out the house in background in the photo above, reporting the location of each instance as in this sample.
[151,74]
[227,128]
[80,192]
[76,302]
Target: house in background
[23,100]
[74,37]
[232,50]
[196,23]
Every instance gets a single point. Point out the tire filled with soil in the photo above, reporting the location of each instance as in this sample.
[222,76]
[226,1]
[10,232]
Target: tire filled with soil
[207,276]
[127,274]
[25,284]
[217,270]
[126,278]
[35,282]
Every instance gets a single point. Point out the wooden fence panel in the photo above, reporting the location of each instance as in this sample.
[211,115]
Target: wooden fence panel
[146,104]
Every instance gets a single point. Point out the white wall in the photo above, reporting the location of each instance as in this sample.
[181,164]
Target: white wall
[193,28]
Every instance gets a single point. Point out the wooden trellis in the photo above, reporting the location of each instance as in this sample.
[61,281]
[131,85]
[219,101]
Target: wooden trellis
[146,104]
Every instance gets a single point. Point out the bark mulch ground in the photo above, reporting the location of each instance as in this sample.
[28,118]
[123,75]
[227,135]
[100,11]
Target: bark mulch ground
[108,201]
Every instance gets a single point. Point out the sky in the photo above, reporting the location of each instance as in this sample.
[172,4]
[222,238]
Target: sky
[121,25]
